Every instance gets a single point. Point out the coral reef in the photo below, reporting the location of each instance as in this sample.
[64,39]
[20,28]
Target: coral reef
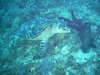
[63,55]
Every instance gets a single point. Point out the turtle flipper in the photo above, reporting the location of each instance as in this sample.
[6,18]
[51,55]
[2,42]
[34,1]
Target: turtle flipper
[43,45]
[42,50]
[13,41]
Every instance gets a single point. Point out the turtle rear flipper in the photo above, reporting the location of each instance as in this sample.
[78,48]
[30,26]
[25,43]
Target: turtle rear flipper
[13,41]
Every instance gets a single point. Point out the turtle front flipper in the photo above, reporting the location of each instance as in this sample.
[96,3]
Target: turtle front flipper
[42,50]
[43,45]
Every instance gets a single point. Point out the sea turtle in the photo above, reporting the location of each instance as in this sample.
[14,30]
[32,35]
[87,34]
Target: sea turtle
[40,29]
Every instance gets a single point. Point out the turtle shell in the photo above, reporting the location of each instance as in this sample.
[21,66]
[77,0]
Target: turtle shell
[33,28]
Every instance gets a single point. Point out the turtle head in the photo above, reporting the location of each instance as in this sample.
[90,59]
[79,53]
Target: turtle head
[63,29]
[60,28]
